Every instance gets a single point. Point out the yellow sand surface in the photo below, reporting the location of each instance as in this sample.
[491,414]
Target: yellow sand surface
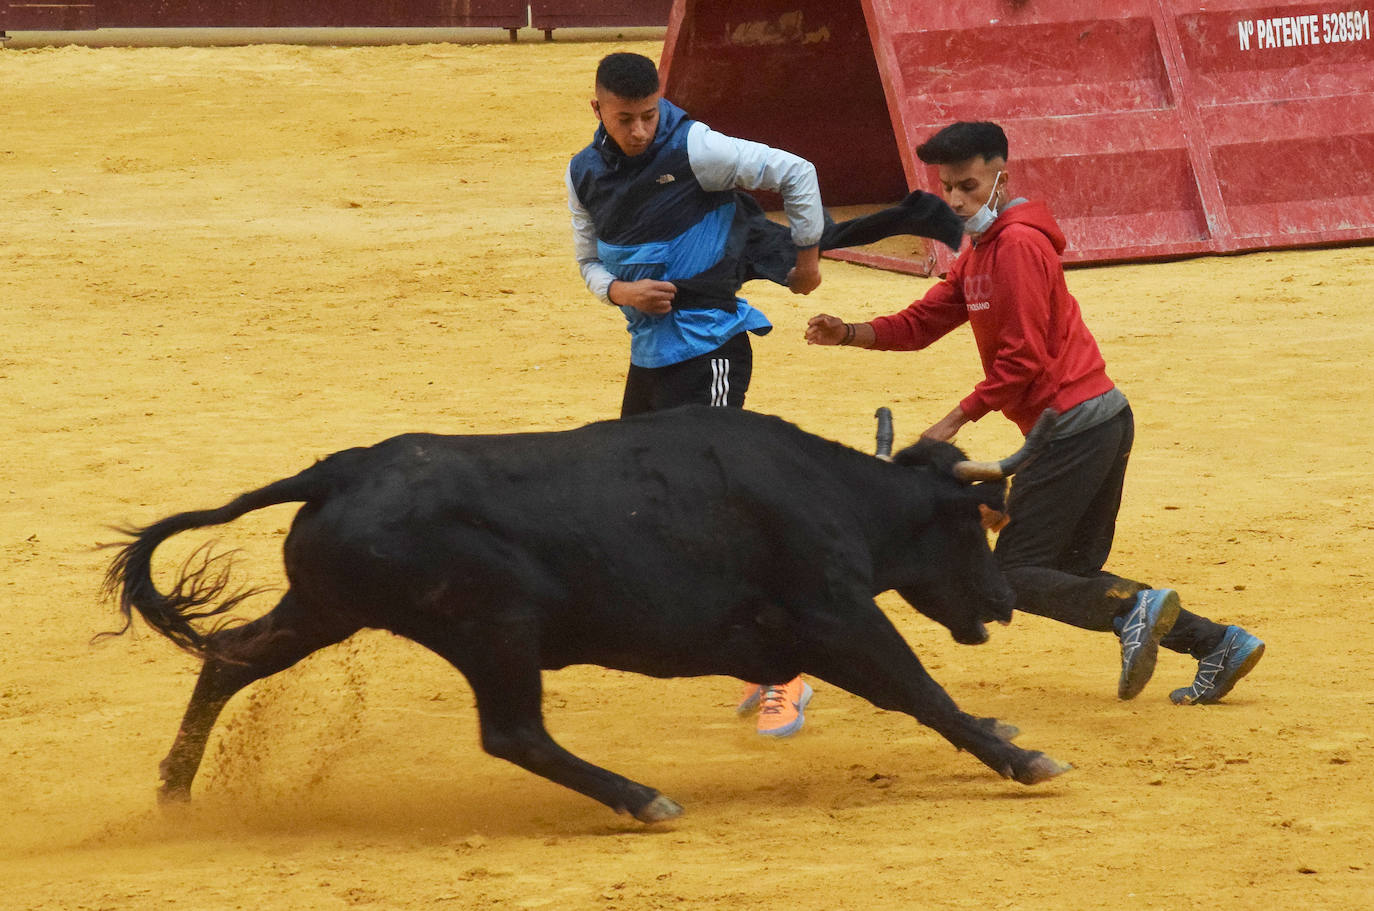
[219,264]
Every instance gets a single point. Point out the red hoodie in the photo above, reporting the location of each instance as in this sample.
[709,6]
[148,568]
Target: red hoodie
[1036,351]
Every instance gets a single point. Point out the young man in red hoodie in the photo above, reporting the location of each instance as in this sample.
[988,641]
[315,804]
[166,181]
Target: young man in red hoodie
[1037,353]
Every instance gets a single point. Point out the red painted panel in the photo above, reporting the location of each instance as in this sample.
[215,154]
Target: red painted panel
[1284,94]
[35,15]
[1223,111]
[795,74]
[550,14]
[1020,72]
[340,14]
[17,15]
[1089,106]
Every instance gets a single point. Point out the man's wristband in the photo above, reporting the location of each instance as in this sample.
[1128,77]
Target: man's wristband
[848,334]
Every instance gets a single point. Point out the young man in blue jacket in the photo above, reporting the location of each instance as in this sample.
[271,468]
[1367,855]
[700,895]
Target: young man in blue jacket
[653,203]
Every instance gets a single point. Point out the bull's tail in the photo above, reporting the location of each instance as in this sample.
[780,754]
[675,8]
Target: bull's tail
[202,585]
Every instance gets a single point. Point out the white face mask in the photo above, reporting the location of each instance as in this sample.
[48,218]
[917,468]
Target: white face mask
[981,220]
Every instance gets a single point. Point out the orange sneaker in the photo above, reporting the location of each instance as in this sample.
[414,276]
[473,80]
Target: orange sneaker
[781,708]
[749,699]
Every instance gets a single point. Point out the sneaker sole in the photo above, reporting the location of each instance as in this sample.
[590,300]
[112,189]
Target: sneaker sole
[788,730]
[1246,666]
[1143,668]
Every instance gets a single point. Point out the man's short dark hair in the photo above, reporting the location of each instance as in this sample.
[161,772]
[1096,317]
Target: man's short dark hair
[962,141]
[631,76]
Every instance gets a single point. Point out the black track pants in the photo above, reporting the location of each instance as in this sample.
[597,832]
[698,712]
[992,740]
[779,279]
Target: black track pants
[719,377]
[1063,509]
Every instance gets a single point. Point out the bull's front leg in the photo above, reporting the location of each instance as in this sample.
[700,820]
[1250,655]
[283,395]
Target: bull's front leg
[873,661]
[525,742]
[501,664]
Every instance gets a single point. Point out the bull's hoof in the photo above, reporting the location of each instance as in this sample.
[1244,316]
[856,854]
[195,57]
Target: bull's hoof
[1041,768]
[660,809]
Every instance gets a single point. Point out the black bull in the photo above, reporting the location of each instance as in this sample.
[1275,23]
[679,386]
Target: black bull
[683,543]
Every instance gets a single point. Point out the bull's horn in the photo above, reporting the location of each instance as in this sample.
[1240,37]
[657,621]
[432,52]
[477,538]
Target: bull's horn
[993,471]
[884,450]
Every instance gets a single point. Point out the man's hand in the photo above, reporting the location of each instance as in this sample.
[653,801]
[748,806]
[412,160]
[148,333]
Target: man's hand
[805,276]
[945,429]
[991,519]
[647,295]
[824,329]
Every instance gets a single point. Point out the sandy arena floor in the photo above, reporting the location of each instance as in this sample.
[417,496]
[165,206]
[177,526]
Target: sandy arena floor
[219,264]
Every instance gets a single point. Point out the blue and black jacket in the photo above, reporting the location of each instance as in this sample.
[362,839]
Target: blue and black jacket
[654,219]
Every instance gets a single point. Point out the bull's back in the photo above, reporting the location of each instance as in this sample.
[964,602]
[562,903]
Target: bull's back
[616,510]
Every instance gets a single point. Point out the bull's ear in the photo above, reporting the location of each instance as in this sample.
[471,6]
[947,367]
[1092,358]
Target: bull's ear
[992,494]
[932,453]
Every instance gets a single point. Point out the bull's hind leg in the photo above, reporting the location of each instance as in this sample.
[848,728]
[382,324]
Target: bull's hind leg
[240,655]
[867,656]
[503,670]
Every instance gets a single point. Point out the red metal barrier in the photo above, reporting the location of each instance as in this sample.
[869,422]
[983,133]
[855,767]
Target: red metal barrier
[552,14]
[16,15]
[1284,94]
[1154,128]
[41,15]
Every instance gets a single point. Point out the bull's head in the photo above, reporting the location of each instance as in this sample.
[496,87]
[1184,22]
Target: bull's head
[957,581]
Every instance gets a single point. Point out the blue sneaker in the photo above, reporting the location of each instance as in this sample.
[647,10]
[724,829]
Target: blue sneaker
[1237,656]
[1144,625]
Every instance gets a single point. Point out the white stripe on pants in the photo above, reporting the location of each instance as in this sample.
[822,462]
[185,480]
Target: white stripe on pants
[720,381]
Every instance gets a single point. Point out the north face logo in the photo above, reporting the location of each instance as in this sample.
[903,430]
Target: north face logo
[666,178]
